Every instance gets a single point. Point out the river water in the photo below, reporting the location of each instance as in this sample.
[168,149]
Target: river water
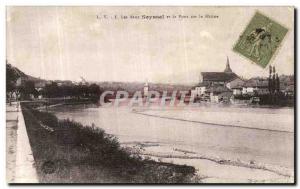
[255,136]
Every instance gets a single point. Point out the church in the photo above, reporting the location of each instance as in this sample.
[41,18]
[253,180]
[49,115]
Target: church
[217,86]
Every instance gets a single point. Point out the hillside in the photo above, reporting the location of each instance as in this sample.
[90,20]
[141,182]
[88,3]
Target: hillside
[13,73]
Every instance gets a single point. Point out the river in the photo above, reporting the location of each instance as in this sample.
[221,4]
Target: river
[225,144]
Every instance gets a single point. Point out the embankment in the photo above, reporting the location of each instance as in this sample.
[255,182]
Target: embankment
[68,152]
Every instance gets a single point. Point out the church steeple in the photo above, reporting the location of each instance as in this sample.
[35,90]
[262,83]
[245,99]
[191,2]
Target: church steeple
[227,69]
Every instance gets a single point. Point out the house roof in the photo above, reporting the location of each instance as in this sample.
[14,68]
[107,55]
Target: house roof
[237,83]
[218,76]
[256,82]
[218,89]
[203,84]
[237,86]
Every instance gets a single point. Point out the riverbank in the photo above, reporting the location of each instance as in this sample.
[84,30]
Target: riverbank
[68,152]
[53,102]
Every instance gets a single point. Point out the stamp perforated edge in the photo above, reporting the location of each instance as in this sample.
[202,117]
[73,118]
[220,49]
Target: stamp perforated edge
[278,48]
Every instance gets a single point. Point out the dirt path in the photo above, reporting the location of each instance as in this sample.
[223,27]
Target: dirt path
[19,160]
[11,141]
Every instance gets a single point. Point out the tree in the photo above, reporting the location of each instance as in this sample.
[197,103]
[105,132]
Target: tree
[51,90]
[11,79]
[277,83]
[94,90]
[27,89]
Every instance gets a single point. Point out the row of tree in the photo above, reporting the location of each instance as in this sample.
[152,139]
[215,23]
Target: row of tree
[19,84]
[11,78]
[53,90]
[73,91]
[273,81]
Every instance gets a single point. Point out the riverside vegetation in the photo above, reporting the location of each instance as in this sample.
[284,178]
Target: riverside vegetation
[68,152]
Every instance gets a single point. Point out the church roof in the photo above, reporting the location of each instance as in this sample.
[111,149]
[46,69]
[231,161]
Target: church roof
[225,76]
[218,76]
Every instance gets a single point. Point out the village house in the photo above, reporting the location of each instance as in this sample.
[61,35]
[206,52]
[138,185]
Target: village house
[287,85]
[217,86]
[256,86]
[236,86]
[289,90]
[219,94]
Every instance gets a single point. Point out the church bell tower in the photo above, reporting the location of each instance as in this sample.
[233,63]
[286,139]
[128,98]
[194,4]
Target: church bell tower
[146,89]
[227,69]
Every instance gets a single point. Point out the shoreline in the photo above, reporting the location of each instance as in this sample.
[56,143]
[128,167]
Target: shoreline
[154,150]
[218,164]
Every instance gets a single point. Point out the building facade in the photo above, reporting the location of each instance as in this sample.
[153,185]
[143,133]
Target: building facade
[215,84]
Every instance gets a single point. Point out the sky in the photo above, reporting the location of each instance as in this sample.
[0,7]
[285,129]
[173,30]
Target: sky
[69,42]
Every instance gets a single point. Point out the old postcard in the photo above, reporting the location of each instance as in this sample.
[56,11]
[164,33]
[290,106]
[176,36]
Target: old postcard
[184,95]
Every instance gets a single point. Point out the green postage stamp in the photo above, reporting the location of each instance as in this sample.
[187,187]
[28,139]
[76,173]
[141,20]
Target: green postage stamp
[260,40]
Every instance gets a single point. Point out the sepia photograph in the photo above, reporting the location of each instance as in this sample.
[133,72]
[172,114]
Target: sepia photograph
[150,95]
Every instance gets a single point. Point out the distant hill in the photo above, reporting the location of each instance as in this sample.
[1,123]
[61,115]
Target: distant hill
[113,86]
[131,87]
[19,73]
[15,70]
